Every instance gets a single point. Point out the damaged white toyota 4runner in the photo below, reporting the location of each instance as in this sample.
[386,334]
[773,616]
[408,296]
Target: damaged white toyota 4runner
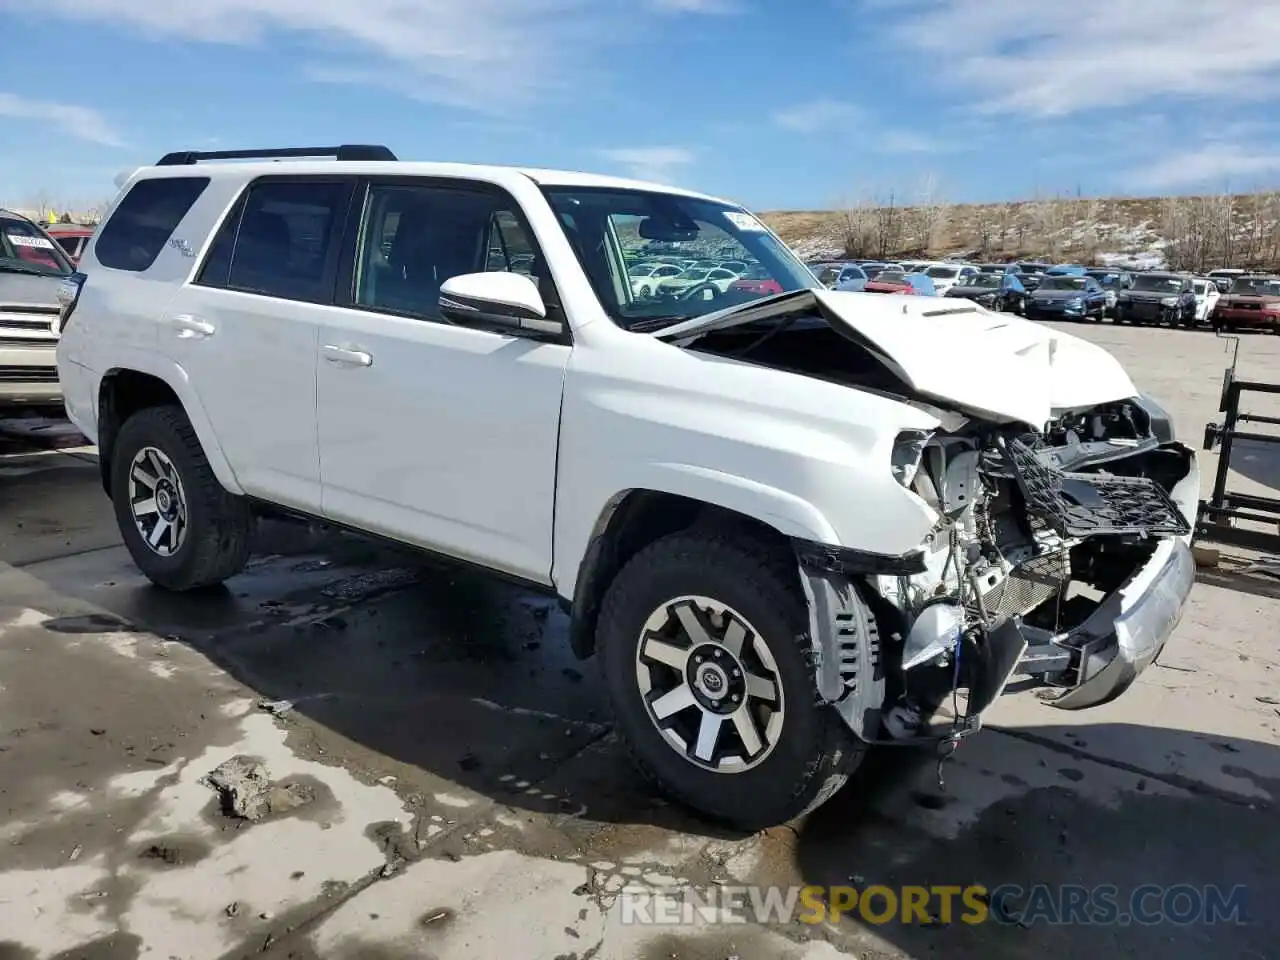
[788,524]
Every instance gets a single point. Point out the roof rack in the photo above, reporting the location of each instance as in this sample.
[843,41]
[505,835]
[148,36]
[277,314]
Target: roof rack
[347,151]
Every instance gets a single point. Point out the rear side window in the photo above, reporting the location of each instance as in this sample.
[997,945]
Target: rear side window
[281,240]
[145,220]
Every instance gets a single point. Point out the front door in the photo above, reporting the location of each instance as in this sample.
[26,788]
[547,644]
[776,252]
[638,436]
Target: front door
[432,432]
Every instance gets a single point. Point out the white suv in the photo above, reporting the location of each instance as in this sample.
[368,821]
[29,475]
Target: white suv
[789,525]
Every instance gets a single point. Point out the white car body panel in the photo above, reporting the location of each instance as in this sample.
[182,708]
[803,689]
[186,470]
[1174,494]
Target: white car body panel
[447,440]
[1207,297]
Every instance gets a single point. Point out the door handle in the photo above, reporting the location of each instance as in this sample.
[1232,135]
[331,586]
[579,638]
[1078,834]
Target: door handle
[189,327]
[341,356]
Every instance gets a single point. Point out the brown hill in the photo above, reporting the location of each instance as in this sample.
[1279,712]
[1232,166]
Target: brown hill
[1185,233]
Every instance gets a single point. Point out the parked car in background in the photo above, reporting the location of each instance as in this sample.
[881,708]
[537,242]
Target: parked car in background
[948,275]
[71,237]
[32,266]
[1029,272]
[703,278]
[891,281]
[1003,292]
[1158,297]
[1112,282]
[835,274]
[1067,297]
[874,268]
[1224,276]
[645,277]
[756,279]
[1207,297]
[922,284]
[1066,270]
[1253,300]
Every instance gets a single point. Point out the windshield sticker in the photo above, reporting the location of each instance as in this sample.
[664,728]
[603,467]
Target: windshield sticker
[744,221]
[21,240]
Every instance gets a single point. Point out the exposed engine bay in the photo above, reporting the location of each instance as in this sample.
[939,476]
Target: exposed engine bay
[1036,529]
[1038,533]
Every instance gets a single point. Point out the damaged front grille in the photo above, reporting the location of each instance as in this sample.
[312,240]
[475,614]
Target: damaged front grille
[1028,585]
[1077,505]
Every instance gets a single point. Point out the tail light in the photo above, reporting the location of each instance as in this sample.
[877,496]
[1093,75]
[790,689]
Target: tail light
[68,296]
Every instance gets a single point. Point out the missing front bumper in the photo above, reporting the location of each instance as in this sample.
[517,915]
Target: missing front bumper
[1124,635]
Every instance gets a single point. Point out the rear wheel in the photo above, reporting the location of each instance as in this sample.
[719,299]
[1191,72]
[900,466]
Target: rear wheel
[181,526]
[705,651]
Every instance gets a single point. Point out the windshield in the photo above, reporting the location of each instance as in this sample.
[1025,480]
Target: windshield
[941,273]
[1032,268]
[985,280]
[892,276]
[24,248]
[642,269]
[1154,283]
[606,226]
[1256,286]
[1063,283]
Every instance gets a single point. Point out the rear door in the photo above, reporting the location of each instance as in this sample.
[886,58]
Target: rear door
[246,330]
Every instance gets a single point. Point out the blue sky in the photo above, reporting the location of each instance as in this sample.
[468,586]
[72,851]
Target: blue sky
[794,104]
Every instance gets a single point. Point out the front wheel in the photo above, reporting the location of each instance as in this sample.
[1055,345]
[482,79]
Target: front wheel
[181,526]
[704,648]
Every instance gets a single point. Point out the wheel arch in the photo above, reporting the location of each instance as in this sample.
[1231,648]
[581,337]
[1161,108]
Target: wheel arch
[143,382]
[638,516]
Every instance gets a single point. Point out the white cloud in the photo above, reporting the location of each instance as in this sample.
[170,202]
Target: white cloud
[1215,165]
[695,6]
[660,164]
[493,54]
[907,141]
[1097,53]
[814,115]
[82,123]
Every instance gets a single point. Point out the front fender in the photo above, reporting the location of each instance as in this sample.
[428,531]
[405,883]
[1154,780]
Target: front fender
[172,374]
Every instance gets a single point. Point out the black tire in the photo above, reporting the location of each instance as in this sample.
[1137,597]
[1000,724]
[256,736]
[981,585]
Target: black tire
[814,751]
[216,544]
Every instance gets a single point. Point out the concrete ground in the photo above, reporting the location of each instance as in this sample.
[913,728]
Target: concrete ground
[434,775]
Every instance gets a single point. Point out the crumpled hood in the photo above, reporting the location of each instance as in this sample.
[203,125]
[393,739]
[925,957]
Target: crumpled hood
[965,356]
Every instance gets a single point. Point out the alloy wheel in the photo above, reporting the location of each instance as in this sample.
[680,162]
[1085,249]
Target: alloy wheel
[710,684]
[157,501]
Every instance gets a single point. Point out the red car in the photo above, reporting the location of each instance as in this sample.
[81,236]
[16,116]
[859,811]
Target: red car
[72,237]
[891,281]
[756,280]
[1250,301]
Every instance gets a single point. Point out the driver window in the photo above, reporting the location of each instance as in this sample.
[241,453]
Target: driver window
[414,238]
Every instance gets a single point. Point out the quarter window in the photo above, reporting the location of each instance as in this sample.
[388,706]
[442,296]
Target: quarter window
[144,221]
[414,238]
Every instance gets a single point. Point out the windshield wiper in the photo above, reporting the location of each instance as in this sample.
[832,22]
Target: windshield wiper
[650,324]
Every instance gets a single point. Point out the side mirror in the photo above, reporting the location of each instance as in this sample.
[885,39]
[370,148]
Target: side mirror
[500,298]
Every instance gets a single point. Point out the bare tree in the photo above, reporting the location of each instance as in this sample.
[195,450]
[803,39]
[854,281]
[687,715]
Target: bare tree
[1006,217]
[984,227]
[1090,215]
[928,218]
[859,228]
[888,227]
[1047,219]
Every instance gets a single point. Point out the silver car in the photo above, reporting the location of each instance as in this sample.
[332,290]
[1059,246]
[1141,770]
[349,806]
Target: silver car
[32,266]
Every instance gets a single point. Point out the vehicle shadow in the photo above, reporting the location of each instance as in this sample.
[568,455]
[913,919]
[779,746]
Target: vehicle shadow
[1011,818]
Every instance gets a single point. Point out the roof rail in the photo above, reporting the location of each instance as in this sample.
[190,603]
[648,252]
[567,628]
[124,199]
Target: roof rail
[347,151]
